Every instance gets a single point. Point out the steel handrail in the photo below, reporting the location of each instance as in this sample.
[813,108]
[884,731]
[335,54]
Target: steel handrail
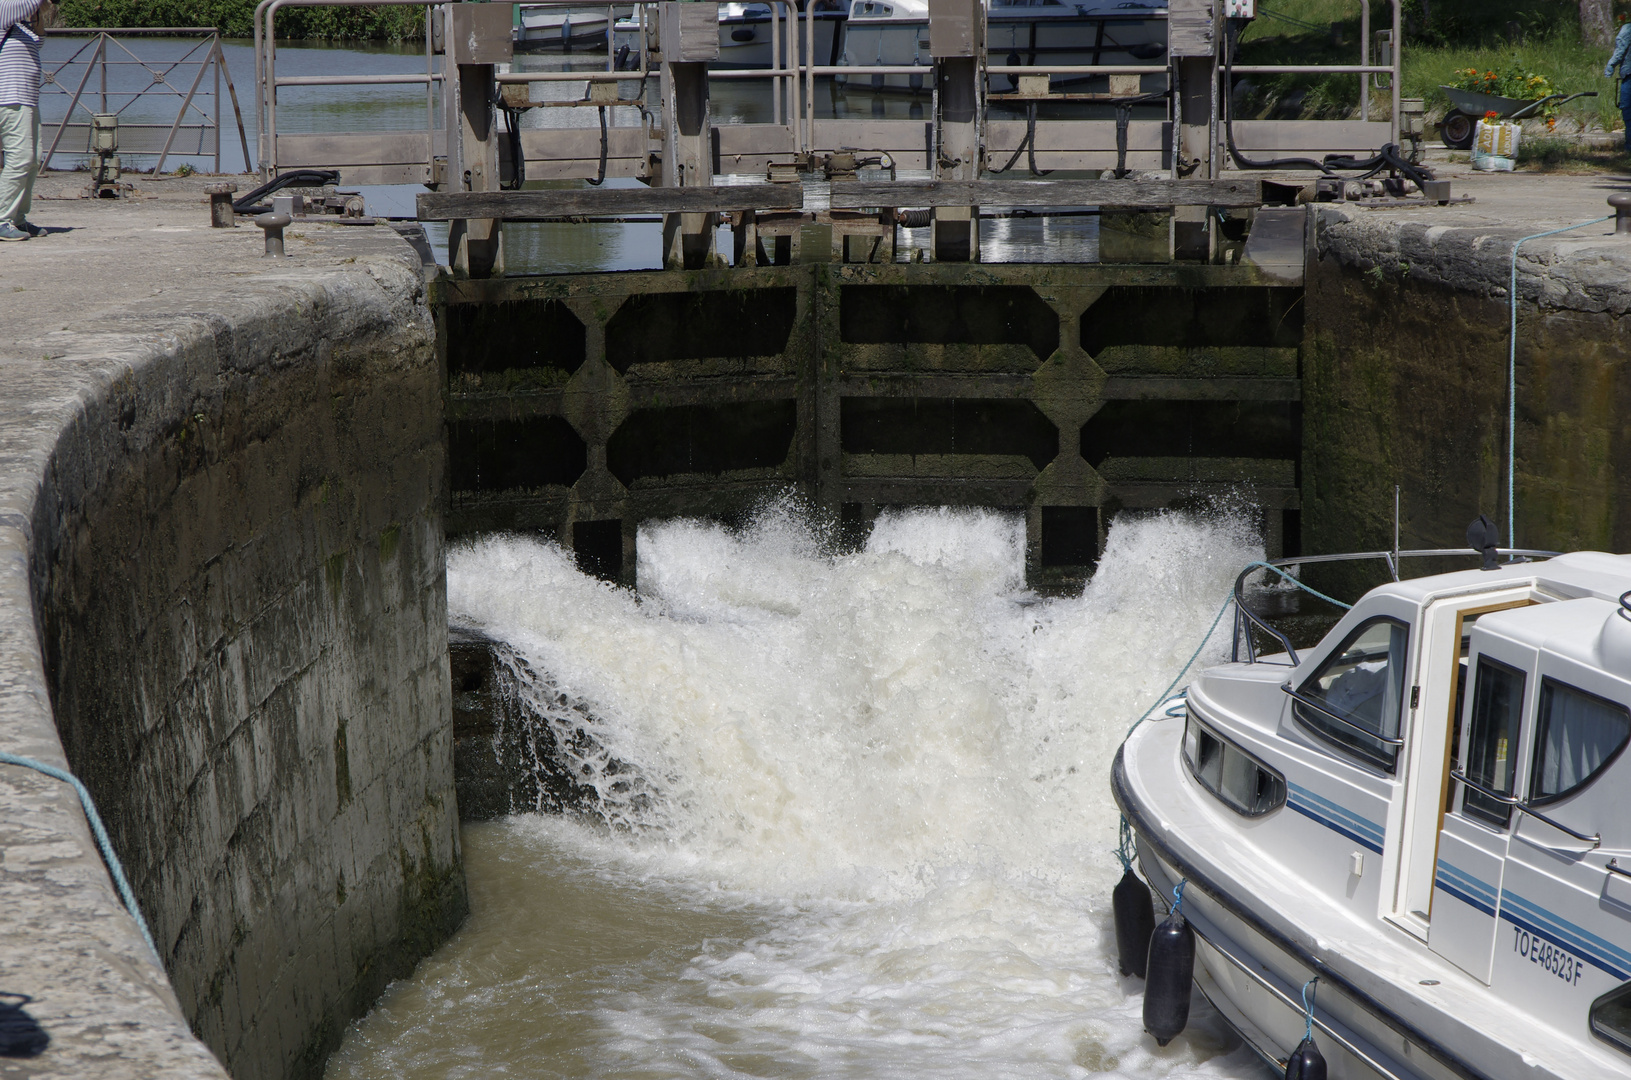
[206,52]
[266,75]
[1594,839]
[1246,619]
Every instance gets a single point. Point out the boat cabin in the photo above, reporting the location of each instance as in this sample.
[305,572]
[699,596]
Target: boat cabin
[1449,765]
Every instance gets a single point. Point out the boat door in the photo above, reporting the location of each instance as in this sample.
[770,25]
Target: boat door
[1473,841]
[1437,703]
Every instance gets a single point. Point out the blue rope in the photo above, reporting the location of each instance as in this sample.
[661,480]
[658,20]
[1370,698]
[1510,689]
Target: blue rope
[1178,896]
[1512,370]
[1125,847]
[102,842]
[1305,588]
[1308,1008]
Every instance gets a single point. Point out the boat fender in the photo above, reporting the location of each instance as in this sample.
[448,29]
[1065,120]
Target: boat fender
[1135,922]
[1169,972]
[1306,1062]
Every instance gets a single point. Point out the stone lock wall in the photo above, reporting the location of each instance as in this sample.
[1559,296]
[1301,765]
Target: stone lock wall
[1405,382]
[237,568]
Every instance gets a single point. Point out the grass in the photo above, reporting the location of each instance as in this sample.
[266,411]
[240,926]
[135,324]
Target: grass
[1561,56]
[1541,35]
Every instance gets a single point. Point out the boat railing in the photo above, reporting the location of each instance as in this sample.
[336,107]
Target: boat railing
[1247,621]
[1460,777]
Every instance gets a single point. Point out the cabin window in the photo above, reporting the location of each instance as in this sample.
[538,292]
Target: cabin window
[1576,735]
[1353,699]
[1611,1018]
[1492,743]
[1241,782]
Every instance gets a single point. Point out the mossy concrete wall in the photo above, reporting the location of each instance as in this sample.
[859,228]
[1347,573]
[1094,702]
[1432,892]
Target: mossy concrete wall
[225,610]
[1405,382]
[580,405]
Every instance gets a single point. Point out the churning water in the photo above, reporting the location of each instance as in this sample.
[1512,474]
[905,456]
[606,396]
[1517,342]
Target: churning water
[856,821]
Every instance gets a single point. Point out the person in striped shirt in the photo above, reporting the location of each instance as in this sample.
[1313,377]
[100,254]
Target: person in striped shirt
[19,116]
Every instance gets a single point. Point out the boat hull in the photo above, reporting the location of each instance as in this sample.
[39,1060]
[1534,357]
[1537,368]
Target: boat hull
[563,30]
[1377,1016]
[1011,39]
[745,40]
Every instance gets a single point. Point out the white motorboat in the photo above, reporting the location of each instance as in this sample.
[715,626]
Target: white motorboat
[1018,33]
[1430,811]
[564,28]
[746,31]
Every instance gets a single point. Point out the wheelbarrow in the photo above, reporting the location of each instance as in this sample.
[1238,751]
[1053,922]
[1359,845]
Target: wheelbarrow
[1458,125]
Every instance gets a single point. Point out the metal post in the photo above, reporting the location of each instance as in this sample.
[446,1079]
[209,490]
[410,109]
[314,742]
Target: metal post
[102,58]
[431,14]
[232,94]
[1364,59]
[180,115]
[957,44]
[1196,36]
[808,58]
[689,36]
[478,39]
[1398,52]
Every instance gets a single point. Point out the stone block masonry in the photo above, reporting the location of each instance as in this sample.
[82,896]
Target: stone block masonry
[1405,371]
[224,608]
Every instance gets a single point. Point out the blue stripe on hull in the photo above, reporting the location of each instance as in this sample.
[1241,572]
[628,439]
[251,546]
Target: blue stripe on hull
[1527,915]
[1336,817]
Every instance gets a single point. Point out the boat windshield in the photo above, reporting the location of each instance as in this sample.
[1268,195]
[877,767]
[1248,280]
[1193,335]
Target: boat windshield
[1353,699]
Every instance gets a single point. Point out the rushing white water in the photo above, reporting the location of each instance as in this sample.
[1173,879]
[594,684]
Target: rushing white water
[886,772]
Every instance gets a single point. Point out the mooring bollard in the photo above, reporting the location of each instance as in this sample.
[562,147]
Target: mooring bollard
[221,205]
[1621,202]
[273,224]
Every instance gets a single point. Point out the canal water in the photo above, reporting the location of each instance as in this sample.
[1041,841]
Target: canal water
[859,825]
[137,63]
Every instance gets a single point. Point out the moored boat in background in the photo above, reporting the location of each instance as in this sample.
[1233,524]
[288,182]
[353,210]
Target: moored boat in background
[549,27]
[1027,33]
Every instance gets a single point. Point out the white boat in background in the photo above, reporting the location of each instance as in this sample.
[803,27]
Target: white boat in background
[1018,32]
[564,28]
[1430,811]
[745,31]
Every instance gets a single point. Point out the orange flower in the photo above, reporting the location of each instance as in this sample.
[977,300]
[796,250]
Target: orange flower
[1492,115]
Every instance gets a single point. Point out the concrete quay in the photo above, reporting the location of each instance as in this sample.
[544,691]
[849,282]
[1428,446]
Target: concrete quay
[223,604]
[222,488]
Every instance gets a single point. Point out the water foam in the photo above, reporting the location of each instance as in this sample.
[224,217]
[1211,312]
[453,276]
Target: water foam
[899,758]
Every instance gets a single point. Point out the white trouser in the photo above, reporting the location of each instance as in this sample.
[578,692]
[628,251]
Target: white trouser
[19,159]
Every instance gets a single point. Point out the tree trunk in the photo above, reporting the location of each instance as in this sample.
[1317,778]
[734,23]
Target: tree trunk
[1597,22]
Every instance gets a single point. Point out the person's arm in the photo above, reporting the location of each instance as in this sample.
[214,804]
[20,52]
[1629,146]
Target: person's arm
[13,12]
[1622,43]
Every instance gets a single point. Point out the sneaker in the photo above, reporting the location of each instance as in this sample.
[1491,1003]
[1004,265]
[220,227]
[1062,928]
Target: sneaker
[8,231]
[30,228]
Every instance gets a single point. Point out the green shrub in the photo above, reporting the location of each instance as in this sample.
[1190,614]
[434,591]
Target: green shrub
[235,18]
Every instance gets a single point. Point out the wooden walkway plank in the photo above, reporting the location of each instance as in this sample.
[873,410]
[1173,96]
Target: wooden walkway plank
[1149,194]
[606,202]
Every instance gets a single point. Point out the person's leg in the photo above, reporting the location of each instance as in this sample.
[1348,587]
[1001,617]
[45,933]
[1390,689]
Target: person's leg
[1625,110]
[19,152]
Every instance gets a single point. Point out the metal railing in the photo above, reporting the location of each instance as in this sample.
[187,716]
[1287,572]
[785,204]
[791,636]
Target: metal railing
[1247,621]
[151,79]
[792,75]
